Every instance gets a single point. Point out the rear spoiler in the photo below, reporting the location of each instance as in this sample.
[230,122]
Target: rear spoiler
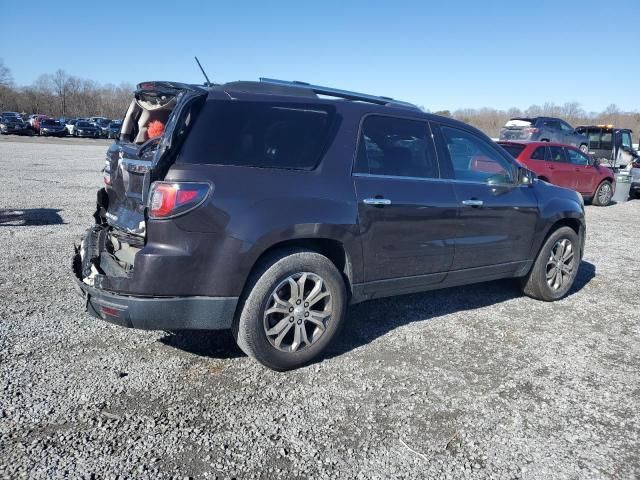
[171,88]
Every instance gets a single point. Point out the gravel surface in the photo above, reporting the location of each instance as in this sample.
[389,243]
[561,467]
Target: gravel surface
[470,382]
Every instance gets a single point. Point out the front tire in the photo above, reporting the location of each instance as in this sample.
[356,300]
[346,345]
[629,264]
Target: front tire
[603,195]
[555,268]
[293,307]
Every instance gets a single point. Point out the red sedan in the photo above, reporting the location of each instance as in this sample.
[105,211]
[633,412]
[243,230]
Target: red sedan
[567,167]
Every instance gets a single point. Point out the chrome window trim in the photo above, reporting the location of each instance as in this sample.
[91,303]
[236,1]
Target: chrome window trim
[439,180]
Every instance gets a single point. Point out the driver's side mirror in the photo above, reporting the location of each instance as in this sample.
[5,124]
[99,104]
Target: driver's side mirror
[526,176]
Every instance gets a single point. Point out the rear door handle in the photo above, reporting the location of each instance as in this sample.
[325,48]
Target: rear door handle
[377,201]
[473,203]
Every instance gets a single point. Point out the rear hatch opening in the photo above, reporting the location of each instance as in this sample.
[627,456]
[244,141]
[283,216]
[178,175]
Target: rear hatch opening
[138,157]
[158,119]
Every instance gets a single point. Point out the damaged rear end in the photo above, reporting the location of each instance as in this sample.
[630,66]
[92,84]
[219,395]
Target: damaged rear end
[117,245]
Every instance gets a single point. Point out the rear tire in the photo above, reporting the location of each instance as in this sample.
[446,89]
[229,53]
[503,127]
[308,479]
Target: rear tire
[555,268]
[284,326]
[603,195]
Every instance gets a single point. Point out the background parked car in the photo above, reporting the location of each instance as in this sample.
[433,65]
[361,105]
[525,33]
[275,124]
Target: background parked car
[14,125]
[613,146]
[51,127]
[114,129]
[35,125]
[10,115]
[565,166]
[103,126]
[85,129]
[544,129]
[70,125]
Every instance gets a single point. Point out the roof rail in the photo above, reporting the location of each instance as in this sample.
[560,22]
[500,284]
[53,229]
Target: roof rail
[346,94]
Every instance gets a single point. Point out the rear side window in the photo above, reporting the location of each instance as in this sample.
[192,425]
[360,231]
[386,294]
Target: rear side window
[396,147]
[554,124]
[540,153]
[256,134]
[514,150]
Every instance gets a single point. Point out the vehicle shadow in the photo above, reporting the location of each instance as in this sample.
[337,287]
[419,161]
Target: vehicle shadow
[369,320]
[204,343]
[30,217]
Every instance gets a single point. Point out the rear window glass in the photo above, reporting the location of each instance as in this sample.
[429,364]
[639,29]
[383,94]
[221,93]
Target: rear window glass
[514,150]
[260,134]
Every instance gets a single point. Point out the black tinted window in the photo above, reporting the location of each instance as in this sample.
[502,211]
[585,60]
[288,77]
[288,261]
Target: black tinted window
[475,159]
[540,153]
[259,135]
[397,147]
[514,150]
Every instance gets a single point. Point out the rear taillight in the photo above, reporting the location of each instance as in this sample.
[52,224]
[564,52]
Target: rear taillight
[170,199]
[106,173]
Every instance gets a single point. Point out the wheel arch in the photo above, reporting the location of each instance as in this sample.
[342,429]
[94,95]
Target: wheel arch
[333,249]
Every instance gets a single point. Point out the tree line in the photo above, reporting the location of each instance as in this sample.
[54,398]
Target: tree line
[62,95]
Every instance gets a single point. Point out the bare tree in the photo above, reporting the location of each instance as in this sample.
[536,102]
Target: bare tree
[6,80]
[61,83]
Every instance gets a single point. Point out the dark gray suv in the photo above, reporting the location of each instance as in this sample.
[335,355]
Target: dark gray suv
[544,129]
[267,207]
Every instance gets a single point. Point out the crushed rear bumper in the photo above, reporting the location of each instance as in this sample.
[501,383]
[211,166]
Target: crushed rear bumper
[151,312]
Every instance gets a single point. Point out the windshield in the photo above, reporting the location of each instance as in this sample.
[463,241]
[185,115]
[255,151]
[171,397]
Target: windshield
[83,124]
[103,123]
[48,121]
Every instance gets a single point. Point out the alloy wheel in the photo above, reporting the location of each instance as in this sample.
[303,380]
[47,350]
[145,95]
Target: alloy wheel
[604,194]
[561,264]
[298,312]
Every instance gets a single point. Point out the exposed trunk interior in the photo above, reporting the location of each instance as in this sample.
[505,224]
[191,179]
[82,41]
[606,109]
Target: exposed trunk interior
[142,154]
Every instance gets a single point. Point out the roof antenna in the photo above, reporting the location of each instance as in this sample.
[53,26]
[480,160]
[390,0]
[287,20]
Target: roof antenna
[207,83]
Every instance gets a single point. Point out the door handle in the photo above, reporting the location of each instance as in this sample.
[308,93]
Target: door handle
[473,203]
[376,201]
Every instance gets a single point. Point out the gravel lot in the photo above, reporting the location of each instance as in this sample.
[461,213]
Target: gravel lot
[476,382]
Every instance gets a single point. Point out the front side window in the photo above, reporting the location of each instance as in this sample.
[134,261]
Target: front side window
[626,140]
[576,157]
[557,154]
[553,124]
[396,147]
[260,134]
[474,159]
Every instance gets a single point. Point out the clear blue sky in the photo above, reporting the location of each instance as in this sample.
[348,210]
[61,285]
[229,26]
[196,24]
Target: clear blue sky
[442,55]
